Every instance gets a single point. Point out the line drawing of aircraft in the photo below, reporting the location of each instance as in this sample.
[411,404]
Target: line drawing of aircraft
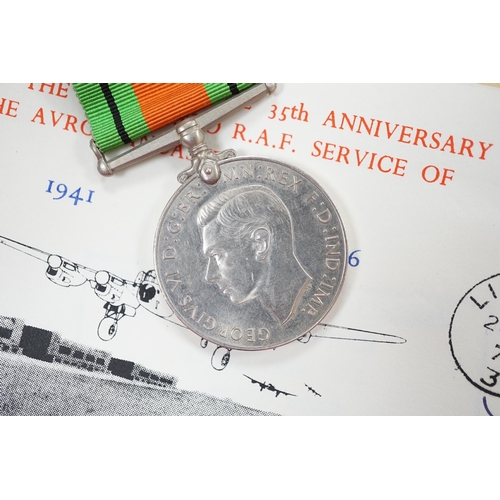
[269,387]
[312,390]
[121,297]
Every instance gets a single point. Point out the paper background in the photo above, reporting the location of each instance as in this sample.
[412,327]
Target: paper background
[422,246]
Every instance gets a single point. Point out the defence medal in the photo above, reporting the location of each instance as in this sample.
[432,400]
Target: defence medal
[250,252]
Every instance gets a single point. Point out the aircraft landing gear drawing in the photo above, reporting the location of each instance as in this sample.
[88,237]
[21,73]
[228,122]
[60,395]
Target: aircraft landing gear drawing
[107,329]
[220,358]
[108,326]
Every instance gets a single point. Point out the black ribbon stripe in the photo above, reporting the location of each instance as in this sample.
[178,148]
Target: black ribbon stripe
[233,88]
[115,113]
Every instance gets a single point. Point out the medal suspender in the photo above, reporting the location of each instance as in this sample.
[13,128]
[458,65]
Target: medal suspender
[108,119]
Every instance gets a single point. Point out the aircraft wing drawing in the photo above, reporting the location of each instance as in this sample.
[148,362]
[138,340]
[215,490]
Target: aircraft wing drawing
[269,387]
[121,297]
[309,388]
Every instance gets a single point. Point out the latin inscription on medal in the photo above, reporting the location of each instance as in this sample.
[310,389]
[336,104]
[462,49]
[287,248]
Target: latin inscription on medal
[253,261]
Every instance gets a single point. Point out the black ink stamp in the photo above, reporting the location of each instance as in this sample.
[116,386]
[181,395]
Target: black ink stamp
[474,335]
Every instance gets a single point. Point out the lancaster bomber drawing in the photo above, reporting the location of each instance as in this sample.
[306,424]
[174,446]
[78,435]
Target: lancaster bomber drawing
[269,387]
[121,297]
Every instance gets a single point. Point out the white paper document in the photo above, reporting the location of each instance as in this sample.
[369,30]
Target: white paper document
[414,171]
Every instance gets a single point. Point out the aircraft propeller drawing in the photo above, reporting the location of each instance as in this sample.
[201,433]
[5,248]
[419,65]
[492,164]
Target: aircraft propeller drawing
[121,297]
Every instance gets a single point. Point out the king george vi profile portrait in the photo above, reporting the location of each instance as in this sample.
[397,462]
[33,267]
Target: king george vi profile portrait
[248,239]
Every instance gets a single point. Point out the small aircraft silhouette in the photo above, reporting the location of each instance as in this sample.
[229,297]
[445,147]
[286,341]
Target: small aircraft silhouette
[269,387]
[312,390]
[121,297]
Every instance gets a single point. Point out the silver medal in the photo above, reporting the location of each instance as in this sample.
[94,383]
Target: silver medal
[250,252]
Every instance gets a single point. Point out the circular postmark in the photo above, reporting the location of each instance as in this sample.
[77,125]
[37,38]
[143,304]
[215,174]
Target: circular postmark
[254,261]
[474,335]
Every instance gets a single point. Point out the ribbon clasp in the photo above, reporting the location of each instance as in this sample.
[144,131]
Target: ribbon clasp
[204,160]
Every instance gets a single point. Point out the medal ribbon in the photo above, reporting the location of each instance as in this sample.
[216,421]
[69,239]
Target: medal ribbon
[119,113]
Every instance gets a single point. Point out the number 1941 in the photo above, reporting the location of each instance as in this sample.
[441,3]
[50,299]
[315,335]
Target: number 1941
[61,190]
